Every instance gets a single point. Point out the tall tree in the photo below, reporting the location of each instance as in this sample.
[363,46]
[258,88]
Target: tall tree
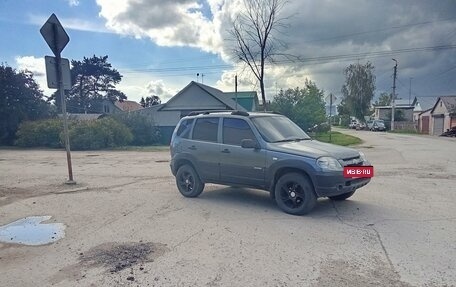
[94,79]
[150,101]
[304,106]
[383,100]
[20,100]
[359,88]
[253,32]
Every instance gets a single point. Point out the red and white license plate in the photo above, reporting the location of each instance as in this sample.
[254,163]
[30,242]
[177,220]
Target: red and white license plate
[358,171]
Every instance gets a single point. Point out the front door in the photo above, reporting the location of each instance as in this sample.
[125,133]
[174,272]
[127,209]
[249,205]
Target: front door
[245,166]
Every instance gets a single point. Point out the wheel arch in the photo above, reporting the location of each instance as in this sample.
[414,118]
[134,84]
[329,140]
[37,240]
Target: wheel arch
[178,162]
[301,168]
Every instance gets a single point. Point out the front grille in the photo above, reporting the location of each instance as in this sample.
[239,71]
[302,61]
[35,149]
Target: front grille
[353,161]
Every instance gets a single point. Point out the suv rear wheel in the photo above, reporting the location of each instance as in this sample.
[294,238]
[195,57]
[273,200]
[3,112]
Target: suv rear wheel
[188,181]
[294,194]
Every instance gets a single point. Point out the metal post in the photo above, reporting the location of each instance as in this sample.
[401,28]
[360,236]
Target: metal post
[64,114]
[330,114]
[393,110]
[235,91]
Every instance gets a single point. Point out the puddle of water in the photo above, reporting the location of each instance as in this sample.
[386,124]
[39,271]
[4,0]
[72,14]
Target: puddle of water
[30,231]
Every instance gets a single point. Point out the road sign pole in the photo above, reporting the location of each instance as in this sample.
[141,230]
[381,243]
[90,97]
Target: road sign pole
[64,113]
[330,114]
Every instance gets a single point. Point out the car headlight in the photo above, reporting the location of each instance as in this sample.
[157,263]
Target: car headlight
[327,163]
[362,156]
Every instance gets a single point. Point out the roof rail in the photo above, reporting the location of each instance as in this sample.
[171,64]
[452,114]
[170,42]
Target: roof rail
[207,112]
[240,113]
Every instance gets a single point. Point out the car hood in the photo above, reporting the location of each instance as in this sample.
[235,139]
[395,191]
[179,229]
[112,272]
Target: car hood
[314,149]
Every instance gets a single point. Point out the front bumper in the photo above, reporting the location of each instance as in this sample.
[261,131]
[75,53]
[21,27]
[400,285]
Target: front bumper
[334,183]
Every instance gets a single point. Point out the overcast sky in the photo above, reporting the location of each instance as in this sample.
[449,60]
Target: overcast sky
[160,46]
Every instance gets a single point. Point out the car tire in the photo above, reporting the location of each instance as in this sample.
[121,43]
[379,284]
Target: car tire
[188,181]
[294,194]
[342,196]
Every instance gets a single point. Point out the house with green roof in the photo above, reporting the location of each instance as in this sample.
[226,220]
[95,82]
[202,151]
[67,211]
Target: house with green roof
[248,100]
[197,97]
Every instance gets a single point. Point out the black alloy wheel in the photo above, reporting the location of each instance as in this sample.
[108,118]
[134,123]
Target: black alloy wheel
[188,181]
[294,194]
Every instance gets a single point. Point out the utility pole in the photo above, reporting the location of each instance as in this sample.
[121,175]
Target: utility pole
[394,95]
[410,90]
[235,91]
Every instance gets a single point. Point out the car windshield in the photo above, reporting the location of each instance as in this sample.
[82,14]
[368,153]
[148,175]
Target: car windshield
[379,122]
[279,129]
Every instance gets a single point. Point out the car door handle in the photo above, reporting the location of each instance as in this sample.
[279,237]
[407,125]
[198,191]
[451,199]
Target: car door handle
[192,147]
[226,151]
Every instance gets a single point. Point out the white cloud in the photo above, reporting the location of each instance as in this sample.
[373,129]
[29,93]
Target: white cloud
[136,85]
[316,29]
[70,23]
[158,88]
[73,3]
[37,67]
[167,23]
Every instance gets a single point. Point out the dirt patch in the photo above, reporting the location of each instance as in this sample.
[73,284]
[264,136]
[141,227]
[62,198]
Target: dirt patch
[113,257]
[353,274]
[116,257]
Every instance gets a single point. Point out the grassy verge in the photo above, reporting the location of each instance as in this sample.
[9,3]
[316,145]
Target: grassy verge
[337,138]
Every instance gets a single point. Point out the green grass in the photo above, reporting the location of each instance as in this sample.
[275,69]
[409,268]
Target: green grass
[338,138]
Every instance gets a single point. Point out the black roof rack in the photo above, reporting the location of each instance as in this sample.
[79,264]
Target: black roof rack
[207,112]
[240,113]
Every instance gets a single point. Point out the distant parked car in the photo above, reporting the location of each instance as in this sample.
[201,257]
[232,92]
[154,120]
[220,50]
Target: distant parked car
[369,124]
[378,125]
[360,126]
[353,124]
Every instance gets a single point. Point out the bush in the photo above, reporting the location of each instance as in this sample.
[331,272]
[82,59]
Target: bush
[142,128]
[344,120]
[43,133]
[99,134]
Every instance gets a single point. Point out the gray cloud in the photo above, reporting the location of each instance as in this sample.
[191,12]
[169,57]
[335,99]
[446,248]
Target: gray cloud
[315,30]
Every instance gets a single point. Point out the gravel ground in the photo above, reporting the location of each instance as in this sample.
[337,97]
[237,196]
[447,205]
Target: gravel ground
[127,225]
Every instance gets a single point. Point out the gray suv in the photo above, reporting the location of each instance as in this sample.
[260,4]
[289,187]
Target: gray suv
[263,151]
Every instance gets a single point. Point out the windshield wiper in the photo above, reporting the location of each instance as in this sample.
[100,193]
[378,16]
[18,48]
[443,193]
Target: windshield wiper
[292,140]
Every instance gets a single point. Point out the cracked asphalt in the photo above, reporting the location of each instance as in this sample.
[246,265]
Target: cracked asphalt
[399,230]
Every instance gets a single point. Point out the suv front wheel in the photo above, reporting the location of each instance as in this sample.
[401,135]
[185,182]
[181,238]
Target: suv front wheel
[294,194]
[188,181]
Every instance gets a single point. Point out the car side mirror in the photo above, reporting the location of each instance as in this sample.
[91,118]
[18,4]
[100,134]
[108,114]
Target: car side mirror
[249,143]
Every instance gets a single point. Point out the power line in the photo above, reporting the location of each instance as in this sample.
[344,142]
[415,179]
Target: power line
[381,30]
[314,60]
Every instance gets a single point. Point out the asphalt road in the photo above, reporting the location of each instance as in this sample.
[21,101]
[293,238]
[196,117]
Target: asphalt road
[127,225]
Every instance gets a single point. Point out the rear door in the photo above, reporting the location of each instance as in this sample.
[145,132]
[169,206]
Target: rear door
[205,148]
[239,165]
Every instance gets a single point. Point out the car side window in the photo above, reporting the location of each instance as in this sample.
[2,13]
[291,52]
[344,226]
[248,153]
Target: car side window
[206,129]
[236,130]
[185,128]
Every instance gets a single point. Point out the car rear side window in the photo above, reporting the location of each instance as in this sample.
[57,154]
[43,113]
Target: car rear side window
[185,128]
[206,129]
[236,130]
